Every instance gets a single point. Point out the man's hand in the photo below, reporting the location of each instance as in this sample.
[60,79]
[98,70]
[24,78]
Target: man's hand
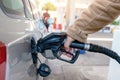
[67,43]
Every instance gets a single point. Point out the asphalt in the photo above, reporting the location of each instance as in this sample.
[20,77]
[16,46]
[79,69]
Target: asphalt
[89,66]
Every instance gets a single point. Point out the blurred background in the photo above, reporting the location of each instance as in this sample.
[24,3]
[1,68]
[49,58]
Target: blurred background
[64,12]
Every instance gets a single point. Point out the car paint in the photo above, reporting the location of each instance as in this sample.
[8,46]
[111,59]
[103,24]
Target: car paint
[15,35]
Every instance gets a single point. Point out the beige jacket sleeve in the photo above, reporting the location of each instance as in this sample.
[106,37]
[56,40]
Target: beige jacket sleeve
[99,14]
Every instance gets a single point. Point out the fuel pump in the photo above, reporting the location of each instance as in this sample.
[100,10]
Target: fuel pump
[52,47]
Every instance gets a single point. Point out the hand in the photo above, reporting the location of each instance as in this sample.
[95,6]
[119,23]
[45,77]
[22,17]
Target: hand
[67,43]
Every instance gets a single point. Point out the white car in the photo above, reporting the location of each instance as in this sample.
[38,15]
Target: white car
[19,23]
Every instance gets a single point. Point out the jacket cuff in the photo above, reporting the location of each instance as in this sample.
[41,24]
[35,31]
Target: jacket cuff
[81,36]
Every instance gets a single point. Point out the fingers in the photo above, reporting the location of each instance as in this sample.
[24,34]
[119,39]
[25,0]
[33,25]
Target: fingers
[67,43]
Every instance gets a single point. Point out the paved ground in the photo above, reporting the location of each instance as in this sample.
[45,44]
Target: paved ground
[89,66]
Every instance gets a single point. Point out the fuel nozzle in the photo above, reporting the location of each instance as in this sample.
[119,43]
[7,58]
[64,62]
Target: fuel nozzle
[51,47]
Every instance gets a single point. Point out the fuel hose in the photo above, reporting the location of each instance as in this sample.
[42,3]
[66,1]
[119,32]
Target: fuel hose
[96,48]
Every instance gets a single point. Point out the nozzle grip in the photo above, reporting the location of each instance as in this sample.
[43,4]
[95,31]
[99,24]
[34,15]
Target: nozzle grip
[77,44]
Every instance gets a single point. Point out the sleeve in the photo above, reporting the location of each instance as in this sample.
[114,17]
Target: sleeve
[98,14]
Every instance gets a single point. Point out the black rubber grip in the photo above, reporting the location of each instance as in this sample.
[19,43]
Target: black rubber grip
[78,45]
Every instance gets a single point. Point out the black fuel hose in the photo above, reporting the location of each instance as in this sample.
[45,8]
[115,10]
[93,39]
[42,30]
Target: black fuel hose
[96,48]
